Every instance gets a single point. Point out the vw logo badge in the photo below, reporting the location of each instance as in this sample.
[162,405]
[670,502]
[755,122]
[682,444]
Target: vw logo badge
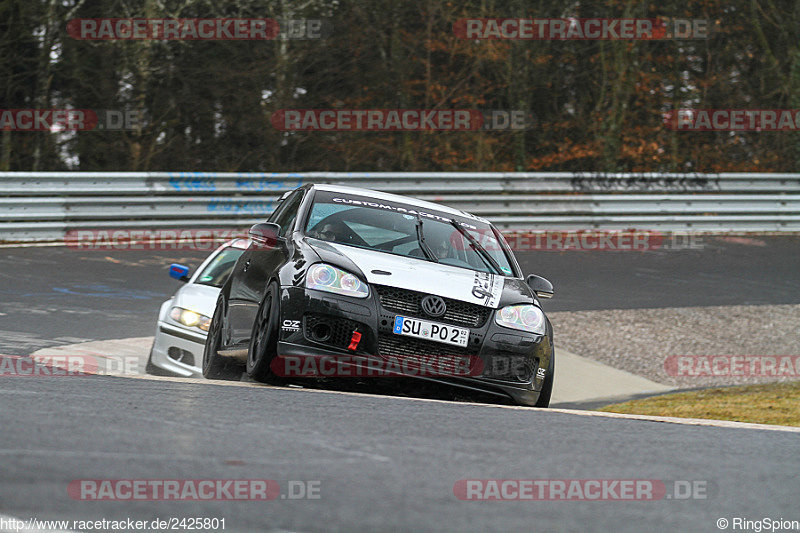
[433,306]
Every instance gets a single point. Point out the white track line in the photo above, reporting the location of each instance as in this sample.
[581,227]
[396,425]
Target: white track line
[31,245]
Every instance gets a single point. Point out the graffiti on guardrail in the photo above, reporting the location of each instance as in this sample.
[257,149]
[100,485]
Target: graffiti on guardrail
[204,183]
[256,185]
[192,184]
[644,182]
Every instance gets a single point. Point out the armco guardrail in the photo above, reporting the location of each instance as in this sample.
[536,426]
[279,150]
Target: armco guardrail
[42,206]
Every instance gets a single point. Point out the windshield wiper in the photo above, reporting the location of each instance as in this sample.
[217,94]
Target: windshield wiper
[422,244]
[481,251]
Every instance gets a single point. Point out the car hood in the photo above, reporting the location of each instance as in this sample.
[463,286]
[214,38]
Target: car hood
[198,298]
[409,273]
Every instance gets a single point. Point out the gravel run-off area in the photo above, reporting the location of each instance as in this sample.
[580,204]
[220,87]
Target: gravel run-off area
[641,341]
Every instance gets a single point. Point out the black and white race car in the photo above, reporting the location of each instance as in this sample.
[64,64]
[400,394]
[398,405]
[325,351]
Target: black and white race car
[364,276]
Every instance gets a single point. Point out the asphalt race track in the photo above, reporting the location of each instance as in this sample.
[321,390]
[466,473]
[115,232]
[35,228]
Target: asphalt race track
[380,462]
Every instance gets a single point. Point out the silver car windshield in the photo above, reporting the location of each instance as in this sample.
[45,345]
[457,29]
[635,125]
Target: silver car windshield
[218,269]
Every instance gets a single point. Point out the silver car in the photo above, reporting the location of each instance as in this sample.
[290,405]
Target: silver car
[184,319]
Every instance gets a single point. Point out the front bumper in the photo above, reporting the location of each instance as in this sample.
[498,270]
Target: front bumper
[178,350]
[513,364]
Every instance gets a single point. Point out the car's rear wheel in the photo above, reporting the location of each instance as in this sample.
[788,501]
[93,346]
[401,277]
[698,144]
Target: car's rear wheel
[547,387]
[215,366]
[264,337]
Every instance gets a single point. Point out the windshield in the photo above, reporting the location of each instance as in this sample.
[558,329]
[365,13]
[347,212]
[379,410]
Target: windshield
[217,271]
[392,228]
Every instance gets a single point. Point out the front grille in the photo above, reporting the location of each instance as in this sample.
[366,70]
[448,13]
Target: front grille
[339,330]
[446,359]
[503,366]
[408,302]
[389,344]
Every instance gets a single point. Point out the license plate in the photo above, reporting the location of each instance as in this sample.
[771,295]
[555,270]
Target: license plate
[432,331]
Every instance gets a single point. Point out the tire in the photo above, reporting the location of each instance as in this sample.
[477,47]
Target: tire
[264,337]
[547,387]
[214,366]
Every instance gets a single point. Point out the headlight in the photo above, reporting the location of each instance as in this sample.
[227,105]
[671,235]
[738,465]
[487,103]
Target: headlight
[328,278]
[189,318]
[523,317]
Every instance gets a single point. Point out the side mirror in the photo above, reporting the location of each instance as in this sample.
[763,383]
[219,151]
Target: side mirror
[179,272]
[266,235]
[540,286]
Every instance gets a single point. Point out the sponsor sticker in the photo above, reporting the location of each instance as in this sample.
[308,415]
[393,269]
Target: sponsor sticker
[487,288]
[380,204]
[290,325]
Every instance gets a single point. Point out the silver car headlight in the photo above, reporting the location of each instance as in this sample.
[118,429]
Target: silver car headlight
[323,277]
[522,317]
[189,318]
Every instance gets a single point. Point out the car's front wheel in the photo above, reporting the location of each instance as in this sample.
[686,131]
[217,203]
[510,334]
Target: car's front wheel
[264,337]
[215,366]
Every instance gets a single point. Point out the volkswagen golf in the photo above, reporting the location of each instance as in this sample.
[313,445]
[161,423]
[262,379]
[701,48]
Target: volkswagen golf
[366,277]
